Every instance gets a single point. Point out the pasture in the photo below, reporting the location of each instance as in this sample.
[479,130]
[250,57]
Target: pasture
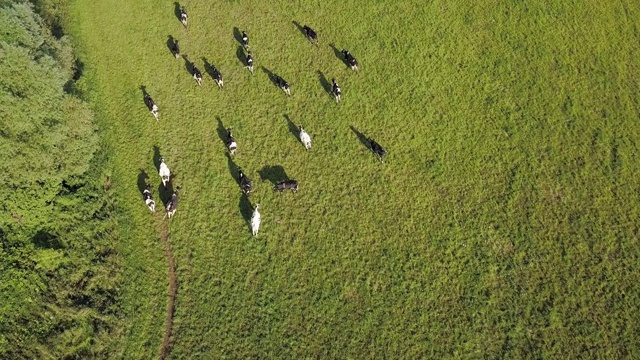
[503,222]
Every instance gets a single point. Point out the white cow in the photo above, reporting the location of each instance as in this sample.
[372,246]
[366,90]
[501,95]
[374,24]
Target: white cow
[164,173]
[305,138]
[255,221]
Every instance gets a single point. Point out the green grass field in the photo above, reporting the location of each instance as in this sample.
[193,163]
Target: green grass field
[503,223]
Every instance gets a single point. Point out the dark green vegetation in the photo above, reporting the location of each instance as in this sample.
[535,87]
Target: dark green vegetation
[58,268]
[503,224]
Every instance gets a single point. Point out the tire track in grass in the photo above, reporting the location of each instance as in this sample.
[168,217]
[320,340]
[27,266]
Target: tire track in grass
[173,290]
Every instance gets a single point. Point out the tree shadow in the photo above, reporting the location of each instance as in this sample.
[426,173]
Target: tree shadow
[222,132]
[142,180]
[188,65]
[273,173]
[176,11]
[45,240]
[233,169]
[325,83]
[246,210]
[237,35]
[241,56]
[293,129]
[363,139]
[339,55]
[300,27]
[210,69]
[156,157]
[171,43]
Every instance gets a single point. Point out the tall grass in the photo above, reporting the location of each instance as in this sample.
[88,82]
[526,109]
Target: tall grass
[502,224]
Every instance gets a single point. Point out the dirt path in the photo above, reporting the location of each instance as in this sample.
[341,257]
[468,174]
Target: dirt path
[173,289]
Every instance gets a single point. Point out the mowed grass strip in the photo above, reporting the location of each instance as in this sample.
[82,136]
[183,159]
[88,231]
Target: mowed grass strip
[503,223]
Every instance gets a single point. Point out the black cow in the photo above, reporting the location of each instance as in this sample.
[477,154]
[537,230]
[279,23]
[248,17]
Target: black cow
[175,49]
[377,149]
[151,105]
[217,77]
[245,40]
[282,84]
[148,198]
[351,61]
[336,90]
[172,206]
[231,142]
[183,16]
[286,185]
[310,34]
[245,183]
[249,62]
[197,75]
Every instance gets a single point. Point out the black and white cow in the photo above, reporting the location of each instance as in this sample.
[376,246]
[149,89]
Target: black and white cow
[282,84]
[217,77]
[172,206]
[351,61]
[336,90]
[249,62]
[197,75]
[183,16]
[286,185]
[310,34]
[245,183]
[148,198]
[245,40]
[377,149]
[164,172]
[175,49]
[231,142]
[151,105]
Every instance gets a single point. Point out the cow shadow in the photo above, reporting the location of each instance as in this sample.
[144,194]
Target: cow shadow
[156,157]
[144,95]
[273,173]
[233,169]
[293,129]
[300,27]
[275,79]
[222,132]
[171,43]
[363,139]
[325,83]
[176,11]
[246,209]
[210,69]
[142,181]
[339,55]
[237,34]
[241,56]
[188,65]
[165,193]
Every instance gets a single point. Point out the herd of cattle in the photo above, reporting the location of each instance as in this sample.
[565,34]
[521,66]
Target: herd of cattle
[230,142]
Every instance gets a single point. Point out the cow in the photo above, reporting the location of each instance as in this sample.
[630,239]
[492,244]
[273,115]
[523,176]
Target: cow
[183,16]
[249,62]
[164,173]
[255,221]
[151,105]
[231,142]
[305,139]
[245,183]
[197,75]
[336,90]
[217,77]
[245,40]
[286,185]
[172,206]
[377,149]
[351,61]
[148,198]
[282,84]
[310,34]
[175,49]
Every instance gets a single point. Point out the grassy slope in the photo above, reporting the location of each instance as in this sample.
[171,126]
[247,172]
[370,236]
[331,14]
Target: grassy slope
[503,223]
